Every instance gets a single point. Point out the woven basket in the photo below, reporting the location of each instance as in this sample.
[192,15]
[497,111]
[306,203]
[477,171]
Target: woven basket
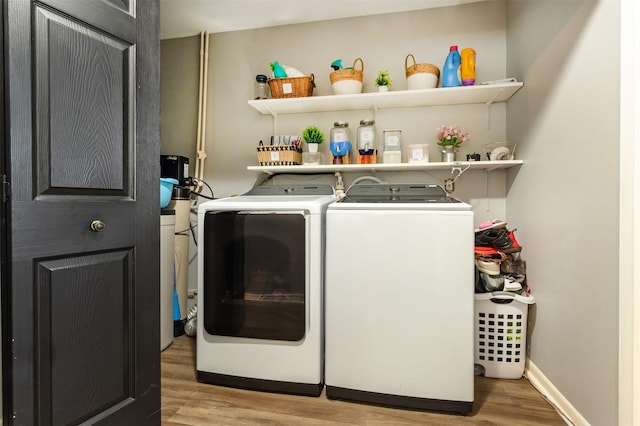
[421,76]
[292,87]
[348,74]
[279,155]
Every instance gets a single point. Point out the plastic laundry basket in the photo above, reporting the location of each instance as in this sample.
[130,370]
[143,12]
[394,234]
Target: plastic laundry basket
[501,333]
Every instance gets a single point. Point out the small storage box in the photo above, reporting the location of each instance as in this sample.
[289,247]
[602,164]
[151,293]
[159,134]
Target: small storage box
[279,155]
[418,153]
[501,333]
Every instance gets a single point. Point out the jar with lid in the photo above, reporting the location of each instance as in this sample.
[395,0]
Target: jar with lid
[392,152]
[260,87]
[340,143]
[366,136]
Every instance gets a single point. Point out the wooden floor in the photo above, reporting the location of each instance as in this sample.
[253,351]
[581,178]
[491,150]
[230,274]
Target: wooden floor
[187,402]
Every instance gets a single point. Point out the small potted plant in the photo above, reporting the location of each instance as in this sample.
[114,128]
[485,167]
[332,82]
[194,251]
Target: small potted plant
[383,81]
[450,138]
[313,137]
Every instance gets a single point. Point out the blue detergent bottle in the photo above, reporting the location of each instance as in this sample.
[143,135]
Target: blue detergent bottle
[450,76]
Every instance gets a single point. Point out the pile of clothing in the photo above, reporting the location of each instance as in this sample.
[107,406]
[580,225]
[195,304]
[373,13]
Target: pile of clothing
[498,263]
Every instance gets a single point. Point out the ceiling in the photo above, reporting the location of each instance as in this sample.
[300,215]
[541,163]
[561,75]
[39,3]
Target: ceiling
[184,18]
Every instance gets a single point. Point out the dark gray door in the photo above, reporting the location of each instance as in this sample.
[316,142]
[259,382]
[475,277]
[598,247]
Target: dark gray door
[82,79]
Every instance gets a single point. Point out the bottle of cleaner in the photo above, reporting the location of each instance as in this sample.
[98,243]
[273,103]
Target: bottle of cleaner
[278,71]
[450,76]
[468,66]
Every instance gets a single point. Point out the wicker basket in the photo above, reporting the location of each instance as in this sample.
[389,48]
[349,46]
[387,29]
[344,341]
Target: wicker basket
[348,74]
[421,76]
[279,155]
[292,87]
[347,81]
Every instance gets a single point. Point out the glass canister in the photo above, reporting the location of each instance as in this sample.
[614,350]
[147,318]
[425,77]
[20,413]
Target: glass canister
[392,148]
[366,138]
[261,88]
[340,142]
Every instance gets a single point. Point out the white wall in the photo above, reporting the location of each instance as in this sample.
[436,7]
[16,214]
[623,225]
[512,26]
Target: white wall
[566,196]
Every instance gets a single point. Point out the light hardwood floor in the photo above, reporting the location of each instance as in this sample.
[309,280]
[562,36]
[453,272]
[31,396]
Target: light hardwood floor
[187,402]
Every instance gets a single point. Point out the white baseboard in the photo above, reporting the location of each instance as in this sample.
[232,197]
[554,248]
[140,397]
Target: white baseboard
[539,381]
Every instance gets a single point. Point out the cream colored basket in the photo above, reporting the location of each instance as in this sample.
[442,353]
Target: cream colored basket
[348,81]
[421,76]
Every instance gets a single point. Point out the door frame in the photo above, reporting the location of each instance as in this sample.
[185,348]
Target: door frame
[5,357]
[629,217]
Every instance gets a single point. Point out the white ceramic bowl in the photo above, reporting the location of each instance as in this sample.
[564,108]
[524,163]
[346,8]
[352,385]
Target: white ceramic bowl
[347,87]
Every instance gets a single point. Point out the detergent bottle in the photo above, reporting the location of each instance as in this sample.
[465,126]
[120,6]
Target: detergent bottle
[450,76]
[468,66]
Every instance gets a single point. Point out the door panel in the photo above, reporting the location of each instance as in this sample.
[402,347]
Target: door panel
[83,136]
[87,360]
[83,112]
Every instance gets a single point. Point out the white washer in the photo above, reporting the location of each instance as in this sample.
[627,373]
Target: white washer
[260,289]
[399,298]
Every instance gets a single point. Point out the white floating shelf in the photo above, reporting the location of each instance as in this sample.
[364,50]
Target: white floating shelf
[478,94]
[385,167]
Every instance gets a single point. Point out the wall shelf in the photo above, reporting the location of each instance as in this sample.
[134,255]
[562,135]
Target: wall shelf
[385,167]
[478,94]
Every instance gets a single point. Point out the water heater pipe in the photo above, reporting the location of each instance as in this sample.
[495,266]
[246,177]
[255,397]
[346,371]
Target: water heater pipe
[201,153]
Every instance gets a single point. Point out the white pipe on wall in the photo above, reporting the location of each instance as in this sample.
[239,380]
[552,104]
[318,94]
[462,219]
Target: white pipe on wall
[201,153]
[198,132]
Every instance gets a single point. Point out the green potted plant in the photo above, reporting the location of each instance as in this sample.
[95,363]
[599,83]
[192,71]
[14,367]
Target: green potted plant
[313,137]
[383,81]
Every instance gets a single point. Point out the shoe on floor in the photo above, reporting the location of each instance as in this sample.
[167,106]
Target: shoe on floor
[491,224]
[492,282]
[513,266]
[514,283]
[497,238]
[491,267]
[515,247]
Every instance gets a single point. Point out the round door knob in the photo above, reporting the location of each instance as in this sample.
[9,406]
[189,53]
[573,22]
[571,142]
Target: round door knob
[97,226]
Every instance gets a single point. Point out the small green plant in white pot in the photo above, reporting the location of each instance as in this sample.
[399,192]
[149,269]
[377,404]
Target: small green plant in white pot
[383,81]
[313,137]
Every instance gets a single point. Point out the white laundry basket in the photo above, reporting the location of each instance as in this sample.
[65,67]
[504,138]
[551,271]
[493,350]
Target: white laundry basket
[501,333]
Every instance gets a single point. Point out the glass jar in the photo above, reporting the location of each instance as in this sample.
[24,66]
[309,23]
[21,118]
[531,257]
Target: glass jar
[340,142]
[366,137]
[261,88]
[340,132]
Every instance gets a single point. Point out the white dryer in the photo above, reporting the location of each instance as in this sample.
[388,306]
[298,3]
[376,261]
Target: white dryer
[260,289]
[399,298]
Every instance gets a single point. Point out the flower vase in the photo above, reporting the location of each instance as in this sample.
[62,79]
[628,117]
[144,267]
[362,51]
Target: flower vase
[313,147]
[383,88]
[449,154]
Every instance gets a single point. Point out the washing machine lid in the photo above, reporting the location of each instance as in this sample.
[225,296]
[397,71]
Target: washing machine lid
[314,198]
[398,193]
[290,190]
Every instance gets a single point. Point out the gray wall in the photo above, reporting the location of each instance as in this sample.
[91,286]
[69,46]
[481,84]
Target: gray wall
[566,194]
[179,82]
